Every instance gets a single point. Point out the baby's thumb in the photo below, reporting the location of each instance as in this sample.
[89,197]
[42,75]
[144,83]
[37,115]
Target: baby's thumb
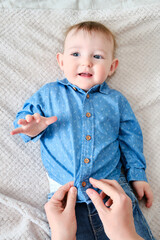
[71,199]
[51,120]
[97,201]
[140,193]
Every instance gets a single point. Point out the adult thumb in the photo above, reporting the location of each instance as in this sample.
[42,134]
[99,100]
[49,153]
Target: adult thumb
[71,199]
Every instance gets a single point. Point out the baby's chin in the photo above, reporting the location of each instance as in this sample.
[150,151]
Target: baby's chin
[86,87]
[83,86]
[85,90]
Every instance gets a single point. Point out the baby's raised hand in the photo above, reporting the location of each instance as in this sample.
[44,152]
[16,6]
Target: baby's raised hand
[32,125]
[143,189]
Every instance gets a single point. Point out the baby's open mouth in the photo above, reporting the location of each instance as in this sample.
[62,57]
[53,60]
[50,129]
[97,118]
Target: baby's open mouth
[83,74]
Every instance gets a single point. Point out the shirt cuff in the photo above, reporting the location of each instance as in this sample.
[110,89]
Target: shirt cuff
[136,174]
[28,138]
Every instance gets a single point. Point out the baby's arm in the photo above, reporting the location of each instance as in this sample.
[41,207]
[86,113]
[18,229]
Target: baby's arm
[131,144]
[143,189]
[35,116]
[32,125]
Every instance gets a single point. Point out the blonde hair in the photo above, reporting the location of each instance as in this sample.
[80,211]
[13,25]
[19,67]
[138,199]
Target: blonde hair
[91,26]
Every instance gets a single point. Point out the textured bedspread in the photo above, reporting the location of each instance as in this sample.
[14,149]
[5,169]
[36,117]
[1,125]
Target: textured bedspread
[29,41]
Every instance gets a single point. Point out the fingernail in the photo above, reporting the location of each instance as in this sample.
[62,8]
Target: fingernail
[73,190]
[89,192]
[91,179]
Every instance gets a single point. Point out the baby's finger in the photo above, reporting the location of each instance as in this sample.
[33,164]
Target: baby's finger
[29,118]
[51,120]
[139,193]
[37,117]
[148,203]
[149,198]
[17,131]
[22,122]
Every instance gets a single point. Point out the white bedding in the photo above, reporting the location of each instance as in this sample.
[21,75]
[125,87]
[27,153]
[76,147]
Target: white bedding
[77,4]
[29,41]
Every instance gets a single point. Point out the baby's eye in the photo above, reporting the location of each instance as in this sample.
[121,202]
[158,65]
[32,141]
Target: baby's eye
[76,54]
[98,56]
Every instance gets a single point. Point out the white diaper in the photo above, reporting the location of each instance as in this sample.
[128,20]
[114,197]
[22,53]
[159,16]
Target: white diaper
[53,185]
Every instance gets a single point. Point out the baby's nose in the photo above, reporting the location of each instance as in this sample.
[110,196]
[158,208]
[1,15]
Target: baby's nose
[87,62]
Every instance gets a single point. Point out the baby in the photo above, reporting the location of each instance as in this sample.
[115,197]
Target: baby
[87,129]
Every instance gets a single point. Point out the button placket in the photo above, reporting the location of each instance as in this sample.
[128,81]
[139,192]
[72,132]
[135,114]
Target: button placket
[87,146]
[87,96]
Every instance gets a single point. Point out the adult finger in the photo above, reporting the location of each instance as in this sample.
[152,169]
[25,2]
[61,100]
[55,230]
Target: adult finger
[109,202]
[71,199]
[109,187]
[97,201]
[114,184]
[61,192]
[102,195]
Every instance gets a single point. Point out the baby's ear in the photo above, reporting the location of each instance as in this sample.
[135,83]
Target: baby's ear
[113,67]
[60,60]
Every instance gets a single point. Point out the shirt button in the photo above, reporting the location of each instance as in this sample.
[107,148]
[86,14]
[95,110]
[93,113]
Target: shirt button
[83,184]
[87,96]
[88,137]
[75,89]
[88,114]
[86,160]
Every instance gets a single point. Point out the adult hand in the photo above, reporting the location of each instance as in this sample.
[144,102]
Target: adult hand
[60,211]
[32,125]
[116,213]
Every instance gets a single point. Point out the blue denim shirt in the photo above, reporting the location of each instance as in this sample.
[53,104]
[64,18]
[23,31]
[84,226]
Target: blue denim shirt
[96,132]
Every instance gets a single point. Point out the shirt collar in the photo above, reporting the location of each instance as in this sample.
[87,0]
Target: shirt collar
[103,88]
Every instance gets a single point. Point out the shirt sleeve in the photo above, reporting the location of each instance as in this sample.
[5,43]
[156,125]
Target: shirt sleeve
[34,104]
[131,143]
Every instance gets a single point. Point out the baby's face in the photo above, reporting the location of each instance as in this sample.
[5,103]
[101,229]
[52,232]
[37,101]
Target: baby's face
[87,59]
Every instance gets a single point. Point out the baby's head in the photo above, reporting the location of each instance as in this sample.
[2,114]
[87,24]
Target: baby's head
[88,57]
